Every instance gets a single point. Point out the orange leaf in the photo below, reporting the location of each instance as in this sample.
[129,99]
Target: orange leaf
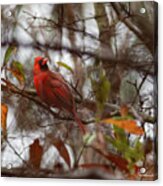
[62,150]
[35,154]
[4,111]
[124,110]
[127,124]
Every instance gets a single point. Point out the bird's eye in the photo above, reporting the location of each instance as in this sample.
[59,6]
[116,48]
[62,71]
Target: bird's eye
[43,65]
[40,62]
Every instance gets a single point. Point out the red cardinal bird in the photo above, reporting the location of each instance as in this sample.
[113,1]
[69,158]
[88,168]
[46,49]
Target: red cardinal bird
[53,90]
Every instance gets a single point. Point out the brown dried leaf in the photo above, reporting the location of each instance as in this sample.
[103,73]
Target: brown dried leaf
[62,150]
[35,154]
[118,161]
[121,163]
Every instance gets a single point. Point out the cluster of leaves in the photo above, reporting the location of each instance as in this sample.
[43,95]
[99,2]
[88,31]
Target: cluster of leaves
[133,153]
[36,152]
[16,67]
[122,124]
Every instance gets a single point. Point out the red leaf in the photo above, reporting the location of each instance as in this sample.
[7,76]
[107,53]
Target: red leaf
[121,163]
[62,150]
[35,154]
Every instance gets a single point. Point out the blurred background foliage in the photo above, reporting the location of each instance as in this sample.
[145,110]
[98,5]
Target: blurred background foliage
[107,52]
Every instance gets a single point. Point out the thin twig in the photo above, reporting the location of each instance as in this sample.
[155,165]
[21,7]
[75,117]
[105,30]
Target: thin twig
[139,88]
[121,13]
[80,154]
[19,156]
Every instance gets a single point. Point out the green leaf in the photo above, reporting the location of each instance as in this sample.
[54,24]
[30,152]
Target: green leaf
[123,117]
[10,50]
[17,70]
[88,138]
[120,146]
[101,87]
[120,134]
[131,152]
[120,143]
[65,66]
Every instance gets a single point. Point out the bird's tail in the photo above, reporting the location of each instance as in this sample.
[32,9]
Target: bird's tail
[79,122]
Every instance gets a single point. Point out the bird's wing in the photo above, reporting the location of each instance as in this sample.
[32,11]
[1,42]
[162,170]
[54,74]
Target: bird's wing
[60,90]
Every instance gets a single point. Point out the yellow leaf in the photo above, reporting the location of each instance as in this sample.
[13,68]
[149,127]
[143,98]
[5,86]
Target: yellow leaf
[4,111]
[128,125]
[35,154]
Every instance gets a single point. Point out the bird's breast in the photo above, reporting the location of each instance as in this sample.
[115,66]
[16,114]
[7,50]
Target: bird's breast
[39,80]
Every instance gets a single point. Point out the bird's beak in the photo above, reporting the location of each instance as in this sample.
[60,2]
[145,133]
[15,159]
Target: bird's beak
[45,60]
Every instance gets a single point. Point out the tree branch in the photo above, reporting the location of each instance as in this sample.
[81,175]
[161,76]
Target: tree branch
[27,94]
[121,13]
[93,173]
